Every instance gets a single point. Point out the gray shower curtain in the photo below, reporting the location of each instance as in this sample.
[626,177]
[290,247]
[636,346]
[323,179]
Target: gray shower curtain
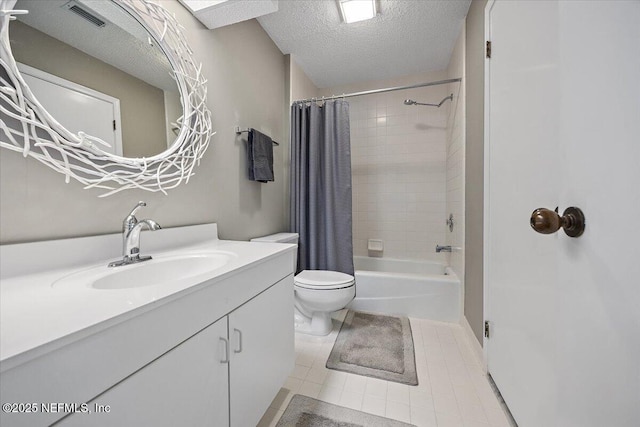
[321,186]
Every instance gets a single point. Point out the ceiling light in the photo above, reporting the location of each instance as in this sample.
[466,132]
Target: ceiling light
[357,10]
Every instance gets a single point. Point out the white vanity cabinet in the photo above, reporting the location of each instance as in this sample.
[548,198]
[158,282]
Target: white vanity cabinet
[262,352]
[226,374]
[186,386]
[151,353]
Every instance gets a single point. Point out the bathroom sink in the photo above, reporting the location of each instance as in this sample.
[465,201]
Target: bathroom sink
[160,270]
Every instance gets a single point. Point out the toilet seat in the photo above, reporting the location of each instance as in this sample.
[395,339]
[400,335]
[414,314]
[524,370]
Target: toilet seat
[323,280]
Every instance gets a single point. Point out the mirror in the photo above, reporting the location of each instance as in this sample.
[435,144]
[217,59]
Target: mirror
[96,69]
[29,128]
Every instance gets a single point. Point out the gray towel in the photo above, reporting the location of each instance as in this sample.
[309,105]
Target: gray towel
[260,152]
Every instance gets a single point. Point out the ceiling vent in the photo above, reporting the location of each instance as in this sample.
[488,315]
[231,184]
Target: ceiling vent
[85,13]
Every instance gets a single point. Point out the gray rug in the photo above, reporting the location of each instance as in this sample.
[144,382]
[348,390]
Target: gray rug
[375,346]
[304,411]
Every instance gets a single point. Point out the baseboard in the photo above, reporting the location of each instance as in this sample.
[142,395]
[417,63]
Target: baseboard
[475,345]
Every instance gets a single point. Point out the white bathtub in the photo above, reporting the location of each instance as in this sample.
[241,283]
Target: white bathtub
[422,289]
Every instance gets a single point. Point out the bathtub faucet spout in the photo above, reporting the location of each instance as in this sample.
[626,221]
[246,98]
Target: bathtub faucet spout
[443,248]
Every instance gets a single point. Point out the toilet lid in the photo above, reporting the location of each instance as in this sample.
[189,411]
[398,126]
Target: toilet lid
[323,279]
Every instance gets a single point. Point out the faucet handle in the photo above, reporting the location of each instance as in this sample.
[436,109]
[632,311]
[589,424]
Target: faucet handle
[136,208]
[130,220]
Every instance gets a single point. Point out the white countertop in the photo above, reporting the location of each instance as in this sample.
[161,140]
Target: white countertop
[36,317]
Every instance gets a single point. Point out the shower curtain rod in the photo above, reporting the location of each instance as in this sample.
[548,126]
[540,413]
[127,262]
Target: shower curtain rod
[369,92]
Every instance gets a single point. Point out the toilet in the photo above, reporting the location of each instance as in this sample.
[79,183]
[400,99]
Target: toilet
[318,293]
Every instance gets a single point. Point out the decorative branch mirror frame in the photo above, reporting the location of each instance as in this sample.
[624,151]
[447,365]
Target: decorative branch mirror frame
[78,156]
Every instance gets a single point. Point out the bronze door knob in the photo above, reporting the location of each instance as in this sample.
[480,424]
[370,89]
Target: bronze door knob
[546,221]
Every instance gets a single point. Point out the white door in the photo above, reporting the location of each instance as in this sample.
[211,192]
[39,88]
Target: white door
[563,129]
[77,108]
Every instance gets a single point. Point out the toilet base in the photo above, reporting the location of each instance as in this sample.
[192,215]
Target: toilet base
[319,324]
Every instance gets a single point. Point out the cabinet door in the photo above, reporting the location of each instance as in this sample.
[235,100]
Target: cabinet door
[186,386]
[262,351]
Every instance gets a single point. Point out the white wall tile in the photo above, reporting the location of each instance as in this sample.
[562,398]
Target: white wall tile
[399,163]
[455,179]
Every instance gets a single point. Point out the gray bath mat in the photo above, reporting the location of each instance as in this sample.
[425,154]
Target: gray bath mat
[375,346]
[304,411]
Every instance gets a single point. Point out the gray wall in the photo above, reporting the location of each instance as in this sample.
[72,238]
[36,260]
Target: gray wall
[474,168]
[245,73]
[141,104]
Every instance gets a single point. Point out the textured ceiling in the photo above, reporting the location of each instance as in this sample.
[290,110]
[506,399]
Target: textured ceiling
[407,37]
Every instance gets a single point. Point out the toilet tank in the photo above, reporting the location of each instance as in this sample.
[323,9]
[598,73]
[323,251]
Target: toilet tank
[281,238]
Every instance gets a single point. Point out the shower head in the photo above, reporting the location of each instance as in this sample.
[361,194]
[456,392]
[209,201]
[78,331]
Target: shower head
[412,102]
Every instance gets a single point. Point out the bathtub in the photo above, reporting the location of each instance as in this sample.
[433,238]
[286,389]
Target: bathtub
[422,289]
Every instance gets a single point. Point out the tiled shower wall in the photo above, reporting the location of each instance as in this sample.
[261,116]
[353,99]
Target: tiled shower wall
[399,161]
[456,161]
[455,181]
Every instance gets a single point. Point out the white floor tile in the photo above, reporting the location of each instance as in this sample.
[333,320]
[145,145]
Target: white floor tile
[458,370]
[305,359]
[442,388]
[446,420]
[446,405]
[292,384]
[466,396]
[374,405]
[336,379]
[300,372]
[475,424]
[355,383]
[330,394]
[310,389]
[320,361]
[398,411]
[473,413]
[453,389]
[434,354]
[324,351]
[437,367]
[317,375]
[424,380]
[497,418]
[397,392]
[376,387]
[423,417]
[351,400]
[340,315]
[421,399]
[421,360]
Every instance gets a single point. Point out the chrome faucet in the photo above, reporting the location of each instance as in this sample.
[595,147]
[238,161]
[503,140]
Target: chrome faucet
[443,248]
[131,229]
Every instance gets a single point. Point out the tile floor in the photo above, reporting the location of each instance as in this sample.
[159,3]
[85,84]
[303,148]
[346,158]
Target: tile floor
[453,390]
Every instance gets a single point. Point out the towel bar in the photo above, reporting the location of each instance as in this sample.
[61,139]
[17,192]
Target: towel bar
[239,131]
